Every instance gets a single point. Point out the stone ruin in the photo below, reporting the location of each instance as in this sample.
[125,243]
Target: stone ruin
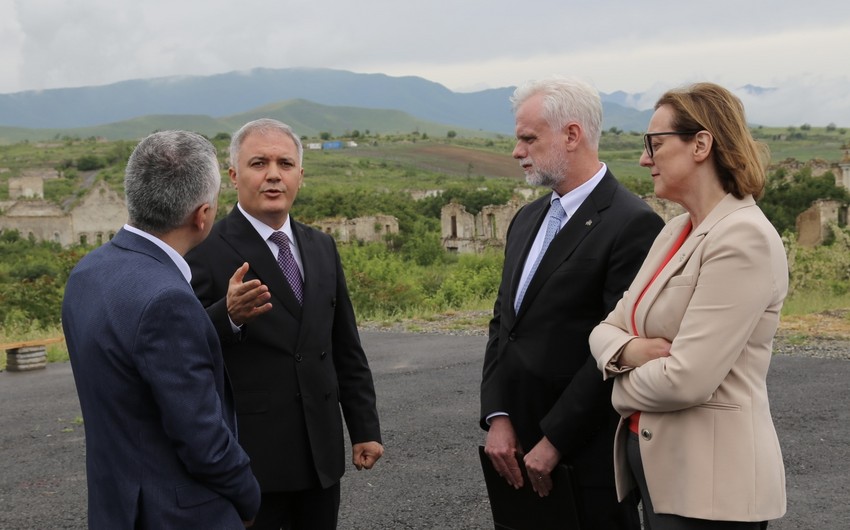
[372,228]
[93,220]
[463,232]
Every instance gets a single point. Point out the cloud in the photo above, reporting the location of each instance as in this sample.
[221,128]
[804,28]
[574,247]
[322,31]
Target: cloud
[11,42]
[792,101]
[643,47]
[816,100]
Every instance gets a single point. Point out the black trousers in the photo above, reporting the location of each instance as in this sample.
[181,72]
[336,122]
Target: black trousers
[665,521]
[314,509]
[598,509]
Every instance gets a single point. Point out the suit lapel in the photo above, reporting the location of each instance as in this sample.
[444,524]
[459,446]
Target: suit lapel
[672,231]
[311,262]
[240,235]
[585,219]
[663,243]
[537,211]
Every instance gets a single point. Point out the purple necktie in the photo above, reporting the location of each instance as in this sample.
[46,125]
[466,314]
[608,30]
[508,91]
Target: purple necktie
[287,264]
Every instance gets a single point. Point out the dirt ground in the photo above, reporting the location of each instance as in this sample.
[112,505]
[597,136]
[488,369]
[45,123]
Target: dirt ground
[828,324]
[454,160]
[429,478]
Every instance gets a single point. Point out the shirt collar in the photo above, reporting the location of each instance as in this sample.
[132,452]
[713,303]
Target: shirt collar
[573,199]
[173,254]
[265,230]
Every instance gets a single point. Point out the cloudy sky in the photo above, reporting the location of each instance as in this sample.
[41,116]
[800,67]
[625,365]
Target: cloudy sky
[801,48]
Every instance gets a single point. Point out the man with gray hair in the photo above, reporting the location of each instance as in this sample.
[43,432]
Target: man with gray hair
[161,448]
[276,291]
[568,258]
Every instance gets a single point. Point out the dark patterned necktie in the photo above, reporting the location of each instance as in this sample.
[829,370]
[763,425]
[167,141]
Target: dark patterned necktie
[287,264]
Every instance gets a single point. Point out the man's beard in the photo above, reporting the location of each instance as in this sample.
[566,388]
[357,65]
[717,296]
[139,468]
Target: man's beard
[550,176]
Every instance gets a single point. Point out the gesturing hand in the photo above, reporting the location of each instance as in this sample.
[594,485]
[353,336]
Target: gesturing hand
[246,300]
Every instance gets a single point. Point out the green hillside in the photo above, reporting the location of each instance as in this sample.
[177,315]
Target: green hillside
[305,117]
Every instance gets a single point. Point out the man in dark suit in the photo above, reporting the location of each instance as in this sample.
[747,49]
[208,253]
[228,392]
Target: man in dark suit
[297,357]
[161,450]
[541,397]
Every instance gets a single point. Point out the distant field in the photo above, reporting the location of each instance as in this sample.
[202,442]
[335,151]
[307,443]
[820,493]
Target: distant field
[446,158]
[804,144]
[404,162]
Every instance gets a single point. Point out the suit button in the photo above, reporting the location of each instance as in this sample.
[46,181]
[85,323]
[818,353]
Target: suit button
[327,396]
[646,434]
[298,358]
[511,337]
[298,397]
[323,355]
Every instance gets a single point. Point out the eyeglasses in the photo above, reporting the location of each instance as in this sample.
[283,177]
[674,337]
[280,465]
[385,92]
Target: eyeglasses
[647,139]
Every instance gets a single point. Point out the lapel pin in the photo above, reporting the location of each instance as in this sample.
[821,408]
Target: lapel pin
[588,222]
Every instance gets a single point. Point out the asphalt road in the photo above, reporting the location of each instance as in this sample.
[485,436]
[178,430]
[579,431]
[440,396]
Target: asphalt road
[429,477]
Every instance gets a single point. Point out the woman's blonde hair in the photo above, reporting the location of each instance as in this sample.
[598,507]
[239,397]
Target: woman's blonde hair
[740,160]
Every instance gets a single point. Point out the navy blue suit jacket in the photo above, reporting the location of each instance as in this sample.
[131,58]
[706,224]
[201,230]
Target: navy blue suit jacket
[160,445]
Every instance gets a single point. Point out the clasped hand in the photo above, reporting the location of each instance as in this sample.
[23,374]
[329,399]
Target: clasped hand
[640,351]
[502,449]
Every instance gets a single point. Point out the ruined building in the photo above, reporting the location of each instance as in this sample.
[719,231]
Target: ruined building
[464,232]
[101,212]
[93,220]
[372,228]
[813,224]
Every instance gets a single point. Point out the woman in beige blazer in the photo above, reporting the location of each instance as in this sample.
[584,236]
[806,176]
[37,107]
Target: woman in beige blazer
[690,342]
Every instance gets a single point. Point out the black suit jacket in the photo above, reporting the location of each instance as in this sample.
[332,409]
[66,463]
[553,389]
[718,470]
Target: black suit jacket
[537,365]
[294,366]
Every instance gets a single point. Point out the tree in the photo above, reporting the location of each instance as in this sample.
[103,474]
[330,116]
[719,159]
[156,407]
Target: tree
[786,198]
[451,134]
[325,135]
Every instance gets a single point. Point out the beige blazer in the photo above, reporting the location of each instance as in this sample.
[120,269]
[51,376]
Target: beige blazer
[707,439]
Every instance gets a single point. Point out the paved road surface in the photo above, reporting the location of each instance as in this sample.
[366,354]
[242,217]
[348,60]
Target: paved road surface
[429,477]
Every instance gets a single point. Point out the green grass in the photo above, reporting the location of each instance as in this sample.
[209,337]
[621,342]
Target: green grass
[807,302]
[803,145]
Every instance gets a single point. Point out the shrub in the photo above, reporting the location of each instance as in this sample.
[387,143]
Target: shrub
[824,269]
[90,163]
[474,281]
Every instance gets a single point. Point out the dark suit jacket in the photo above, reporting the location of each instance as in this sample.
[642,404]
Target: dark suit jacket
[537,365]
[294,366]
[159,419]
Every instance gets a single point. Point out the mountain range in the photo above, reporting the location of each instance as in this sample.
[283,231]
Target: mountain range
[318,100]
